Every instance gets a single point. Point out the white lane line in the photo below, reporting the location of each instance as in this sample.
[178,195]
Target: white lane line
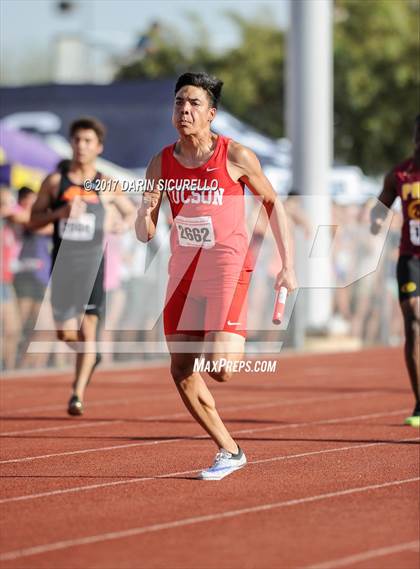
[327,421]
[78,425]
[364,556]
[186,414]
[198,437]
[188,472]
[181,414]
[266,405]
[327,372]
[100,538]
[127,400]
[93,423]
[327,451]
[174,415]
[140,367]
[53,407]
[102,403]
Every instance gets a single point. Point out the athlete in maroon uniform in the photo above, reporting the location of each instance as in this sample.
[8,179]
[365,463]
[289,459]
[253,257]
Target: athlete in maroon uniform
[404,182]
[204,175]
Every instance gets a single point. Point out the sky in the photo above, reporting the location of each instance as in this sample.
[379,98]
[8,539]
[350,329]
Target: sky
[29,27]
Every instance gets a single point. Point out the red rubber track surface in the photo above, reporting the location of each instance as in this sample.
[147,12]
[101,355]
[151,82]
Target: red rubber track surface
[332,479]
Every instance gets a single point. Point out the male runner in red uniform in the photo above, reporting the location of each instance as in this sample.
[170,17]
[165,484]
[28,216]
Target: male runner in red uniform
[75,201]
[204,177]
[404,181]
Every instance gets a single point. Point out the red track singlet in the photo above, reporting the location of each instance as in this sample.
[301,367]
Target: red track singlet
[209,236]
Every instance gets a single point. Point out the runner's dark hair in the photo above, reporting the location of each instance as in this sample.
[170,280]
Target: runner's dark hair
[88,123]
[210,84]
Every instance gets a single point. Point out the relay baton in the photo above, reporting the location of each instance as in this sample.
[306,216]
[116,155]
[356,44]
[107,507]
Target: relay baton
[279,305]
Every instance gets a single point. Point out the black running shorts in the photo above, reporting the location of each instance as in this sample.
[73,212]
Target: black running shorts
[77,289]
[408,275]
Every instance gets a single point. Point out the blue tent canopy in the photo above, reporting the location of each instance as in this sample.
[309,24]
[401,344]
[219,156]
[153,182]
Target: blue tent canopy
[137,115]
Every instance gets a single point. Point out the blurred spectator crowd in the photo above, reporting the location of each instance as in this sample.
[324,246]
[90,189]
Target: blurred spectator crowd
[135,281]
[133,284]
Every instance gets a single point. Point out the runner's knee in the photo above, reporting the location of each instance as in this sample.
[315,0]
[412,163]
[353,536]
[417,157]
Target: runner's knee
[411,320]
[412,330]
[68,335]
[222,375]
[180,371]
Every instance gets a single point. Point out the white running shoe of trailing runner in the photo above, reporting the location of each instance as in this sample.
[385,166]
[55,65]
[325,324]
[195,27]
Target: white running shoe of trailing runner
[225,463]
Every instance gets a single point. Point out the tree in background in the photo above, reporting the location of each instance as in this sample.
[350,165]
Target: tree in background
[160,52]
[376,82]
[252,72]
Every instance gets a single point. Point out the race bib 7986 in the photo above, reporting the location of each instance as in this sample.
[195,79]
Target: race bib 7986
[77,229]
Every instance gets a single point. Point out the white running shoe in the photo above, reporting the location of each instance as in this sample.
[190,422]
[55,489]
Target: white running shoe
[224,464]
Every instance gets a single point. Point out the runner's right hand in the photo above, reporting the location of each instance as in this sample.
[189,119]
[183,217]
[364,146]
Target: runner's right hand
[74,209]
[376,221]
[149,201]
[376,226]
